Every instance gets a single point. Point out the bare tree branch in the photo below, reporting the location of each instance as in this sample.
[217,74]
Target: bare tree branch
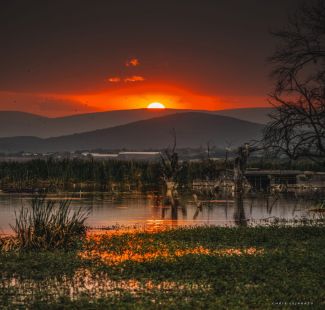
[297,128]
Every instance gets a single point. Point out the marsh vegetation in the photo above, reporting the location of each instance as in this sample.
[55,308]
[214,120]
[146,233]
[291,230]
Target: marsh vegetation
[53,175]
[180,268]
[46,225]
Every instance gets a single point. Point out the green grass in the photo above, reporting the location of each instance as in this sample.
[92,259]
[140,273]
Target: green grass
[288,268]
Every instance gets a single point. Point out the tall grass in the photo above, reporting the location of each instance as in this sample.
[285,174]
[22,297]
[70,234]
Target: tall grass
[48,225]
[79,174]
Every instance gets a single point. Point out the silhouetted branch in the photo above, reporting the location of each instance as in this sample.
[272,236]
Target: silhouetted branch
[297,128]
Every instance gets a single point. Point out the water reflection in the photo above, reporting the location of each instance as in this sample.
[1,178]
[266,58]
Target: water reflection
[239,213]
[132,210]
[84,282]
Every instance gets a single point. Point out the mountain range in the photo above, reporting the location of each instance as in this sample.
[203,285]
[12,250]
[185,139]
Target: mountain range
[193,129]
[14,123]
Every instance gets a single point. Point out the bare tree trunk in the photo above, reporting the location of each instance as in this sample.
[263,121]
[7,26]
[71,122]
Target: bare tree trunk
[239,214]
[240,168]
[170,171]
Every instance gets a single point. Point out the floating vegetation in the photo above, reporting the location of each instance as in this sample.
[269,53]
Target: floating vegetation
[201,267]
[93,285]
[135,249]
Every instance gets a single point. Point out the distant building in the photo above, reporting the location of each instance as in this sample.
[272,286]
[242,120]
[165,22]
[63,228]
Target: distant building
[138,155]
[124,155]
[266,179]
[101,155]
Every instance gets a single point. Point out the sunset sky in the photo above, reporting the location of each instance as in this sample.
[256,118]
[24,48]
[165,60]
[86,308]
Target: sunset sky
[73,56]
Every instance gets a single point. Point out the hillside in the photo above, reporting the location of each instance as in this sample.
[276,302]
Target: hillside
[255,115]
[14,123]
[24,124]
[193,130]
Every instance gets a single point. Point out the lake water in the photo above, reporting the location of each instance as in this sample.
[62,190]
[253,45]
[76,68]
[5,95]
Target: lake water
[142,210]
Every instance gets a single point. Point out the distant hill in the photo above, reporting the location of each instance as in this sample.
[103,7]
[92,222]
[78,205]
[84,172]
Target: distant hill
[255,115]
[14,123]
[25,124]
[193,129]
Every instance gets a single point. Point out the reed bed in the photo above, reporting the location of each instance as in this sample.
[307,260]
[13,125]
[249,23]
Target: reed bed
[46,225]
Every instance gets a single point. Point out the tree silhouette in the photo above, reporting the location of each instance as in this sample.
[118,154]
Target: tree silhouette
[297,128]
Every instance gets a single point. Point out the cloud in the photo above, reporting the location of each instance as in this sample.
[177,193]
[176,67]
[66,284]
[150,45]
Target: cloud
[114,79]
[128,79]
[134,78]
[52,105]
[132,62]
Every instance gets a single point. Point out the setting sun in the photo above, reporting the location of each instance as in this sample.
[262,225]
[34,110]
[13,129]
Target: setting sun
[156,105]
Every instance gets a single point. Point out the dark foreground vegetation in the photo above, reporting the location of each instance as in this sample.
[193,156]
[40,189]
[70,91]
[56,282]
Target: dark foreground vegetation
[194,268]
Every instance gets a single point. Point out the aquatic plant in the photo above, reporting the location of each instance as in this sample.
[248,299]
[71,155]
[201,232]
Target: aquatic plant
[184,268]
[48,224]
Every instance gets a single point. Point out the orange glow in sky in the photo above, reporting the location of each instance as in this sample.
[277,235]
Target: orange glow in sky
[141,95]
[116,56]
[123,96]
[156,105]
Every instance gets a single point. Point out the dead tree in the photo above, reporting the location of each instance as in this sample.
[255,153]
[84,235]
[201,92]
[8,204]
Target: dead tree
[297,128]
[240,164]
[239,214]
[170,171]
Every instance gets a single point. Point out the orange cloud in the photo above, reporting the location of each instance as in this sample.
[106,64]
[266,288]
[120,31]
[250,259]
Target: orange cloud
[133,62]
[134,78]
[114,79]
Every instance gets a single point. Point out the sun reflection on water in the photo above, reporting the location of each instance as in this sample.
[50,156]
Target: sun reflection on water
[135,249]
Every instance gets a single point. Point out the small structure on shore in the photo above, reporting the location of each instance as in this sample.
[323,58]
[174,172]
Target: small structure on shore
[290,180]
[267,180]
[147,156]
[138,155]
